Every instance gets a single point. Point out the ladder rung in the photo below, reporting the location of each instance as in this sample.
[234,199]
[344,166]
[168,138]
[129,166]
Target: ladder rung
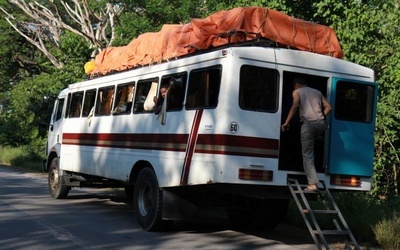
[307,192]
[332,232]
[319,191]
[318,211]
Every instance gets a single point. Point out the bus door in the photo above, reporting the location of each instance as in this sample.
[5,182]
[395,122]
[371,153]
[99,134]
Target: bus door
[352,123]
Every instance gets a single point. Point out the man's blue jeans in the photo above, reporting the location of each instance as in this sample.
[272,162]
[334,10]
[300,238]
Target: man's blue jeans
[310,131]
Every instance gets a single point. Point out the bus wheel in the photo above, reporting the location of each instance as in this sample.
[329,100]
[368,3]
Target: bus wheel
[57,189]
[147,201]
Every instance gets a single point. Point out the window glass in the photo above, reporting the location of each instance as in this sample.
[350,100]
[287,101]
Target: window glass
[60,105]
[124,99]
[144,97]
[176,85]
[68,105]
[104,101]
[203,89]
[88,103]
[76,104]
[354,101]
[258,89]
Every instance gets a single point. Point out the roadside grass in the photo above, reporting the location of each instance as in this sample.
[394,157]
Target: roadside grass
[20,157]
[387,232]
[375,224]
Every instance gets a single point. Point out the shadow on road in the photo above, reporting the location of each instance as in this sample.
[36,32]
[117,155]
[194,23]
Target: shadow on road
[206,221]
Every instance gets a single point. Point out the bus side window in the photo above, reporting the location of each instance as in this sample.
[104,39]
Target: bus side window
[258,89]
[176,90]
[123,99]
[203,88]
[142,93]
[76,104]
[68,104]
[104,101]
[353,102]
[60,105]
[88,102]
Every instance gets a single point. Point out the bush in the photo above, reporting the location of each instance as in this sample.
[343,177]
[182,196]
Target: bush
[387,232]
[21,156]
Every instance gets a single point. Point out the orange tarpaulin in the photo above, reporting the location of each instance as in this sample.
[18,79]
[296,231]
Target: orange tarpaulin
[177,40]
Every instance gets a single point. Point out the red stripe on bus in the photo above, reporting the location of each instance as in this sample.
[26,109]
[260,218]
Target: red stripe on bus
[237,153]
[167,142]
[237,145]
[206,143]
[191,146]
[161,138]
[238,141]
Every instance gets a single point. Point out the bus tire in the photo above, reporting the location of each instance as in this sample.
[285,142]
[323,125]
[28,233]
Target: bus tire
[147,201]
[57,189]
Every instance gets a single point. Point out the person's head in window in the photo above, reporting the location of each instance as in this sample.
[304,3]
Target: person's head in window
[163,90]
[160,100]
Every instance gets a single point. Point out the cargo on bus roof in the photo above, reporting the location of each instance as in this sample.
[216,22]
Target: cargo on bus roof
[221,28]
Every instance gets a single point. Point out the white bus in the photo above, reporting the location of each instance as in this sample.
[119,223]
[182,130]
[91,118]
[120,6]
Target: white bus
[219,144]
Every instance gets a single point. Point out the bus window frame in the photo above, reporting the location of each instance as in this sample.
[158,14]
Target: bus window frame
[117,99]
[98,102]
[344,112]
[206,89]
[72,95]
[168,78]
[275,94]
[58,115]
[84,102]
[140,104]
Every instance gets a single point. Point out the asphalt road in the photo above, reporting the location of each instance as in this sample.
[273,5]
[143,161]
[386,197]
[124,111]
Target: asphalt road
[103,219]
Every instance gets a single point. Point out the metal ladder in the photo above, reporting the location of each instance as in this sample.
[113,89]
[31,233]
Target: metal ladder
[323,197]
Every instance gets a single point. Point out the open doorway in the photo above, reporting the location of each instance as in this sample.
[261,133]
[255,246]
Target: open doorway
[290,157]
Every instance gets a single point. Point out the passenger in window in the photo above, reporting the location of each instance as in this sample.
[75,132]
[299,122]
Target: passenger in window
[160,99]
[106,102]
[130,98]
[313,108]
[124,100]
[76,110]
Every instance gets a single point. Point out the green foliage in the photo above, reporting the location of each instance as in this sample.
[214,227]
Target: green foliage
[21,156]
[370,218]
[298,9]
[8,67]
[23,115]
[21,122]
[361,213]
[132,25]
[149,16]
[369,34]
[387,232]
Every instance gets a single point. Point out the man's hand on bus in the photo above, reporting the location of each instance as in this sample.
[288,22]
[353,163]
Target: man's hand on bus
[285,127]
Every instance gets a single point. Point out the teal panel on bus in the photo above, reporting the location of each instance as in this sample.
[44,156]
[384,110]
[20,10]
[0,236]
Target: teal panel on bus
[352,125]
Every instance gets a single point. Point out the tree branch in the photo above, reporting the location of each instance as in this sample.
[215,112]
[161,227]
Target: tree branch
[47,24]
